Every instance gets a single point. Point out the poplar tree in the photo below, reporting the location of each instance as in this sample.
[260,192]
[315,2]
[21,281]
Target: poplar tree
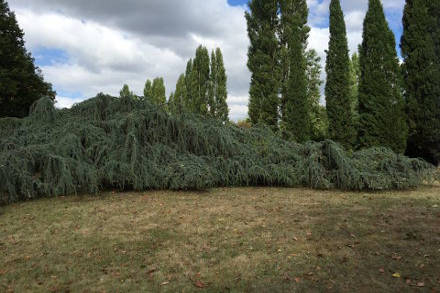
[263,62]
[148,89]
[381,105]
[337,89]
[355,75]
[179,96]
[171,104]
[421,71]
[21,82]
[296,107]
[158,91]
[190,85]
[126,93]
[199,82]
[221,91]
[213,86]
[318,115]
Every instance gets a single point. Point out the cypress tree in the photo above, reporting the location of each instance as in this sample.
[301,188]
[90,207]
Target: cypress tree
[148,89]
[295,105]
[421,71]
[337,89]
[381,106]
[21,82]
[158,91]
[221,91]
[263,62]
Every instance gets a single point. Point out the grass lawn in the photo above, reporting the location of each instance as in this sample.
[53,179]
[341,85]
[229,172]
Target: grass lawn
[225,240]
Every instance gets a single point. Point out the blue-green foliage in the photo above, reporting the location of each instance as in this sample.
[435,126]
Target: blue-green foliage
[130,144]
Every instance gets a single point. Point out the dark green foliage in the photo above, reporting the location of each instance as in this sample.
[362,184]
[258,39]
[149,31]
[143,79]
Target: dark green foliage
[337,89]
[421,71]
[381,105]
[295,109]
[129,144]
[263,62]
[21,82]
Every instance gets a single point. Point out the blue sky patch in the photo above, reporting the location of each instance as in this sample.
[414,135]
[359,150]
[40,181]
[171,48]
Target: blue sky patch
[237,2]
[49,56]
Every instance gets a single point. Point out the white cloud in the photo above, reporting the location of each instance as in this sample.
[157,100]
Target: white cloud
[113,42]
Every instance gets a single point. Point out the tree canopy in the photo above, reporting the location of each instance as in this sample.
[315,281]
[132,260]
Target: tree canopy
[21,82]
[381,105]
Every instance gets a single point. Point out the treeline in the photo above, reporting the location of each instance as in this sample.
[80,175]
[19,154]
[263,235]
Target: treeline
[371,100]
[202,89]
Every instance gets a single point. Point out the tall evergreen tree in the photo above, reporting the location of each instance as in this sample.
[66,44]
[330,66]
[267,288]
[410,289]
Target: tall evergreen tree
[381,105]
[337,89]
[21,82]
[421,71]
[295,105]
[158,91]
[263,62]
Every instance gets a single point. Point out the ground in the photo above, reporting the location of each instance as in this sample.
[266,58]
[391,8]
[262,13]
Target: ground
[224,240]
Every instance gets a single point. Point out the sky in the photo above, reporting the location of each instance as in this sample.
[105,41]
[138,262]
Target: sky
[89,46]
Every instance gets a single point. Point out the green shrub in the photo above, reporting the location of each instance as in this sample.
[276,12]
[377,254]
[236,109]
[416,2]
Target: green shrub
[129,144]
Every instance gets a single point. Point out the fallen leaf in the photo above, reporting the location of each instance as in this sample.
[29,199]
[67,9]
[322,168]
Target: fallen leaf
[420,284]
[396,275]
[151,271]
[408,281]
[199,284]
[297,280]
[164,283]
[294,238]
[381,270]
[396,257]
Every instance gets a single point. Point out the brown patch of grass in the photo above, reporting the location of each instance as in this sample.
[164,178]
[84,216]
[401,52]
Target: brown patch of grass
[239,239]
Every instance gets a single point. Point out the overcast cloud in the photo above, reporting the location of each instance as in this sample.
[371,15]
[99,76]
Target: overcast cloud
[90,46]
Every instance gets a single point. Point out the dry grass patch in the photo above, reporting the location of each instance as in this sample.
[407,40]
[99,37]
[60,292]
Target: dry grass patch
[227,240]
